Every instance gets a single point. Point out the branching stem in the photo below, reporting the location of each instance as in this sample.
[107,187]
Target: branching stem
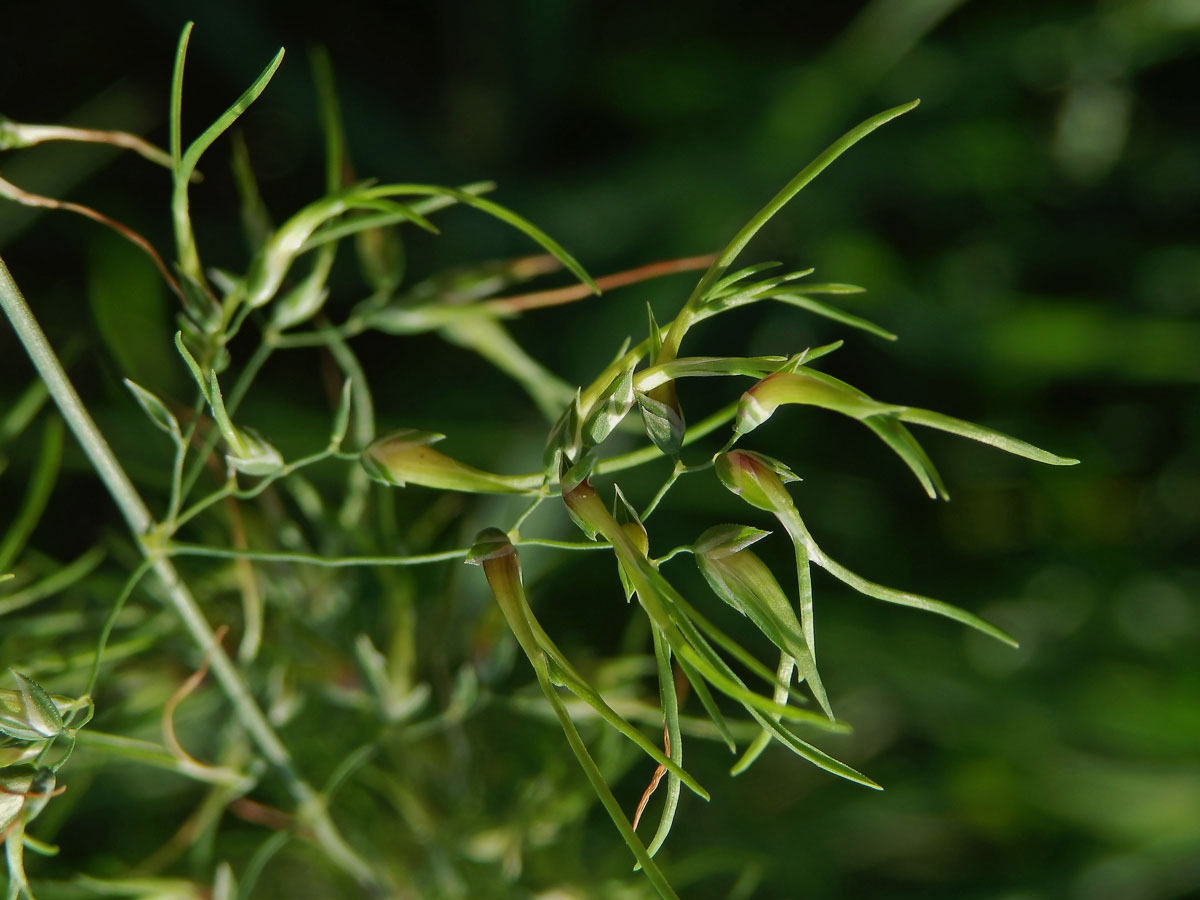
[311,805]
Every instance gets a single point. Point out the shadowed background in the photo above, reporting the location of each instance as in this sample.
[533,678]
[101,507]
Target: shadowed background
[1031,232]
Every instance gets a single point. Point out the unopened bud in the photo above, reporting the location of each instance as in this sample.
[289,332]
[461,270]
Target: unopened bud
[760,402]
[756,478]
[407,457]
[29,713]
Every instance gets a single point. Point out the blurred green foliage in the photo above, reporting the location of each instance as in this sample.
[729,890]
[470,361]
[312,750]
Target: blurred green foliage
[1030,233]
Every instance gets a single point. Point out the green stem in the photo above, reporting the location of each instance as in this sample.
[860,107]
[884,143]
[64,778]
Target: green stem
[141,523]
[687,316]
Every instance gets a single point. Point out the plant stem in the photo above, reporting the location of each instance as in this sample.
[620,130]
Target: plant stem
[141,523]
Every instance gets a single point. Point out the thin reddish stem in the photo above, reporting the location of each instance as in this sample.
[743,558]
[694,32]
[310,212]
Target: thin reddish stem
[571,293]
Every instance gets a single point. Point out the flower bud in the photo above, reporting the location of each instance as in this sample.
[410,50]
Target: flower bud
[502,567]
[760,402]
[25,793]
[756,478]
[663,421]
[631,524]
[405,457]
[253,455]
[29,713]
[739,577]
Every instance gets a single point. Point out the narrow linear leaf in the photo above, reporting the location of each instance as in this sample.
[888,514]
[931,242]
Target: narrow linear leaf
[984,435]
[220,414]
[604,793]
[336,230]
[176,114]
[759,744]
[832,312]
[902,442]
[704,695]
[733,278]
[193,366]
[504,215]
[804,176]
[191,156]
[898,438]
[904,598]
[670,704]
[37,493]
[585,692]
[817,757]
[687,623]
[341,418]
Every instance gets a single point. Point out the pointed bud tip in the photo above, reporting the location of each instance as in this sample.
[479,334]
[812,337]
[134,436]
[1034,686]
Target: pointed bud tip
[491,543]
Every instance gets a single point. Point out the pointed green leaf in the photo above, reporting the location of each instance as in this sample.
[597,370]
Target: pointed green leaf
[612,406]
[784,675]
[800,299]
[155,409]
[305,300]
[984,435]
[256,219]
[704,695]
[655,333]
[607,800]
[41,715]
[499,212]
[589,695]
[192,365]
[733,278]
[901,440]
[341,418]
[664,424]
[818,758]
[904,598]
[670,705]
[216,403]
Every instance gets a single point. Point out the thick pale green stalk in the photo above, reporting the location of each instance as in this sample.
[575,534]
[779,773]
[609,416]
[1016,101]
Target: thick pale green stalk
[142,524]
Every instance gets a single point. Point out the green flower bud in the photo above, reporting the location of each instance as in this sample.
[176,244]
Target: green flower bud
[406,457]
[754,477]
[612,406]
[663,421]
[24,793]
[16,755]
[760,402]
[29,713]
[739,577]
[631,524]
[502,568]
[253,455]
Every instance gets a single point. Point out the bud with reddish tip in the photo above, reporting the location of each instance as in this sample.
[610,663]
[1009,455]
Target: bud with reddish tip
[760,402]
[756,478]
[502,567]
[406,457]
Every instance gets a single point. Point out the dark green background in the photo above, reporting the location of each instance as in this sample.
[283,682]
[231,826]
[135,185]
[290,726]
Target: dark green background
[1032,232]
